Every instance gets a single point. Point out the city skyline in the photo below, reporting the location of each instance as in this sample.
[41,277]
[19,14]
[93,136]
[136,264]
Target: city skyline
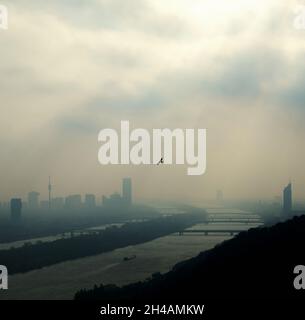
[88,199]
[219,195]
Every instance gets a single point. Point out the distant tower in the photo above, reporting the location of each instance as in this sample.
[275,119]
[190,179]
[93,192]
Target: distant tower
[50,189]
[16,206]
[287,199]
[219,196]
[127,191]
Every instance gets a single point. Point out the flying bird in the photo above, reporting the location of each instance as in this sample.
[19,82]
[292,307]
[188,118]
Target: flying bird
[161,161]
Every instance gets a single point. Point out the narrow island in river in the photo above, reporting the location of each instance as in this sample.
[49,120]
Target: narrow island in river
[35,256]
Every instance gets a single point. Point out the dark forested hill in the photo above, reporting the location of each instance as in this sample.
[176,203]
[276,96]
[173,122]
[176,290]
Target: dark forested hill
[258,263]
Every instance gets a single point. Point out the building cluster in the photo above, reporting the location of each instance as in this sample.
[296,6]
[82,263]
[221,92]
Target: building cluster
[120,200]
[72,201]
[115,200]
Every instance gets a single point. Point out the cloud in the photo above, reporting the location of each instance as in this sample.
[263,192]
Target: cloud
[69,69]
[116,15]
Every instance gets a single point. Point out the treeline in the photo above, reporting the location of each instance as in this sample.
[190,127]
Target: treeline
[258,263]
[39,255]
[42,223]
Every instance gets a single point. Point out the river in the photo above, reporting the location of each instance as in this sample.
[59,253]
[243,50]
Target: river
[62,280]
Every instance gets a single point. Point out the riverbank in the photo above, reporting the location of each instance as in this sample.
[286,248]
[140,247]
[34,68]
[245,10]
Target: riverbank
[52,223]
[63,280]
[30,257]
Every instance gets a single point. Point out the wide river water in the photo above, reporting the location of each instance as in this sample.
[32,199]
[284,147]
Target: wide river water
[62,280]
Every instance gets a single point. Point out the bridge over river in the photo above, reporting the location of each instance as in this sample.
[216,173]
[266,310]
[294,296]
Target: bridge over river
[206,232]
[225,222]
[219,221]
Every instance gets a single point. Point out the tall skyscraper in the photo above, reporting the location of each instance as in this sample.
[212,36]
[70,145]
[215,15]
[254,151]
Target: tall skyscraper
[287,199]
[16,206]
[33,200]
[127,191]
[50,189]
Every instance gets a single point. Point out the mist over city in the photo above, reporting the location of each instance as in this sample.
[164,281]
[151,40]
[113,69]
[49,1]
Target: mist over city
[71,70]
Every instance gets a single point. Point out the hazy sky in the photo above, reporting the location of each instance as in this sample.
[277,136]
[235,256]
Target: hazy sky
[71,68]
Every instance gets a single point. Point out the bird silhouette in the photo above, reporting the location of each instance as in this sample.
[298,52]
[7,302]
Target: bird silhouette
[161,161]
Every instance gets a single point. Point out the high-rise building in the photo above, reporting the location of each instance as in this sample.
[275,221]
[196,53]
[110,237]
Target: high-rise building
[90,201]
[73,201]
[127,191]
[114,201]
[287,199]
[33,200]
[57,203]
[50,190]
[16,206]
